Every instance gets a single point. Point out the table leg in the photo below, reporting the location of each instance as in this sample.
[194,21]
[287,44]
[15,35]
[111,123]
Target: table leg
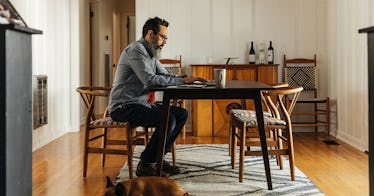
[163,130]
[261,129]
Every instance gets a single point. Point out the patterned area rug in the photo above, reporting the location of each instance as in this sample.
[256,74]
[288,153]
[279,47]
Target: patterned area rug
[207,171]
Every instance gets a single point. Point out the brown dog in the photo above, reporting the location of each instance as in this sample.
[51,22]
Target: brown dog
[150,185]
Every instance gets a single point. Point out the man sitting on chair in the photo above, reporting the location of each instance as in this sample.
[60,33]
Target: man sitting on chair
[138,70]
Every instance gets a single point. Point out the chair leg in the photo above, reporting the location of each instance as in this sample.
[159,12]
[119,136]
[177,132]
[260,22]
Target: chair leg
[291,152]
[274,133]
[184,132]
[233,146]
[183,105]
[328,115]
[242,152]
[129,131]
[230,136]
[279,146]
[146,137]
[105,130]
[174,153]
[316,118]
[85,158]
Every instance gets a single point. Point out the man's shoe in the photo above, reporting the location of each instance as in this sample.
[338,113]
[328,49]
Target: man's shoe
[170,169]
[144,169]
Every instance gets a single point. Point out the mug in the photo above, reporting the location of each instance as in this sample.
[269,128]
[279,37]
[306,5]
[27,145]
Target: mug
[220,78]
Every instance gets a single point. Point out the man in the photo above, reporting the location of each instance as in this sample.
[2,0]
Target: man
[138,70]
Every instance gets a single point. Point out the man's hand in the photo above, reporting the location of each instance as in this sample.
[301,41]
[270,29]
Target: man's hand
[191,79]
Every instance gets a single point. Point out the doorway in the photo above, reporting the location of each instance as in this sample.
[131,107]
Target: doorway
[123,35]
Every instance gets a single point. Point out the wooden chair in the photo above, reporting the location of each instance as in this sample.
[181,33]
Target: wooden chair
[244,129]
[266,109]
[173,65]
[89,95]
[303,72]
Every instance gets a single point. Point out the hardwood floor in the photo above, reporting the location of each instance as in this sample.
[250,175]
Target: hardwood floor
[57,167]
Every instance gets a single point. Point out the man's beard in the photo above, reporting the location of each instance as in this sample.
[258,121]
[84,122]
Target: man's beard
[156,50]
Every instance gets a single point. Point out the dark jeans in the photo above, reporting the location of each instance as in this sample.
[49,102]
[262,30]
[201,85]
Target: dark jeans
[140,115]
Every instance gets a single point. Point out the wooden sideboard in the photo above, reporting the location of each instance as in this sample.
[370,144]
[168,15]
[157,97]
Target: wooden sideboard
[210,117]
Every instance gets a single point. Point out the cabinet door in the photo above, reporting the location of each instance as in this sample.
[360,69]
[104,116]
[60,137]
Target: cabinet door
[203,71]
[202,117]
[221,118]
[210,117]
[202,109]
[222,107]
[268,74]
[247,73]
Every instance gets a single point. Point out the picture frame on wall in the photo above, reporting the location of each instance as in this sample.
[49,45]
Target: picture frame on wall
[9,15]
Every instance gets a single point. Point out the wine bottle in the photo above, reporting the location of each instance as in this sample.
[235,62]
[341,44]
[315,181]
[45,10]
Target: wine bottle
[270,54]
[252,55]
[262,55]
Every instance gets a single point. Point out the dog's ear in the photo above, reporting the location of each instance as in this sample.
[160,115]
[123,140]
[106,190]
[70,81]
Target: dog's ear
[108,182]
[120,189]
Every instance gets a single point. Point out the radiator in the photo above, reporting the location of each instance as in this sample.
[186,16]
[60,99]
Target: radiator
[40,109]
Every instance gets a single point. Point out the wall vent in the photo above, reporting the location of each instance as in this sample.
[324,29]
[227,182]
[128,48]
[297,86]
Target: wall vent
[40,109]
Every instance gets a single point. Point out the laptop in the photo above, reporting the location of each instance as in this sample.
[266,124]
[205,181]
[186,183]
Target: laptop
[210,83]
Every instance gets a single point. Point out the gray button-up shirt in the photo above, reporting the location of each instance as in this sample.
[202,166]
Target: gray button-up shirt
[137,71]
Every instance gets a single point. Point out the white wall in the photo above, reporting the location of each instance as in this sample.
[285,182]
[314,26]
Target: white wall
[347,60]
[58,53]
[222,28]
[298,28]
[217,28]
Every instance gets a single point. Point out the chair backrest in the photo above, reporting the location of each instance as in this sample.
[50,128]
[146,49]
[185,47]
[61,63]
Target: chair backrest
[264,103]
[301,72]
[88,95]
[173,65]
[284,95]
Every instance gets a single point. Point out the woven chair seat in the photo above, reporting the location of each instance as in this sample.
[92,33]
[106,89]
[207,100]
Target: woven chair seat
[250,119]
[106,122]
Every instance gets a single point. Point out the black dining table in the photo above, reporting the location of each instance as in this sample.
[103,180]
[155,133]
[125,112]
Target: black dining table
[234,89]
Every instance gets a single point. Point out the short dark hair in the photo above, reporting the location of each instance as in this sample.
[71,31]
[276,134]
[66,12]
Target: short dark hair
[154,25]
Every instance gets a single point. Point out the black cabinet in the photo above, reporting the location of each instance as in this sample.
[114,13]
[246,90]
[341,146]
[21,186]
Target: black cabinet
[370,32]
[15,110]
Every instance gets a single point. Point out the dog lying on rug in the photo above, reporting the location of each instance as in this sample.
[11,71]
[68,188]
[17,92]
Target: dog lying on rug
[150,185]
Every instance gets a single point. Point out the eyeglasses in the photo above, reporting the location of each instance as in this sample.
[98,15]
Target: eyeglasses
[164,38]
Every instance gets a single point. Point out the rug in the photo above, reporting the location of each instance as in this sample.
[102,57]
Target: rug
[207,171]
